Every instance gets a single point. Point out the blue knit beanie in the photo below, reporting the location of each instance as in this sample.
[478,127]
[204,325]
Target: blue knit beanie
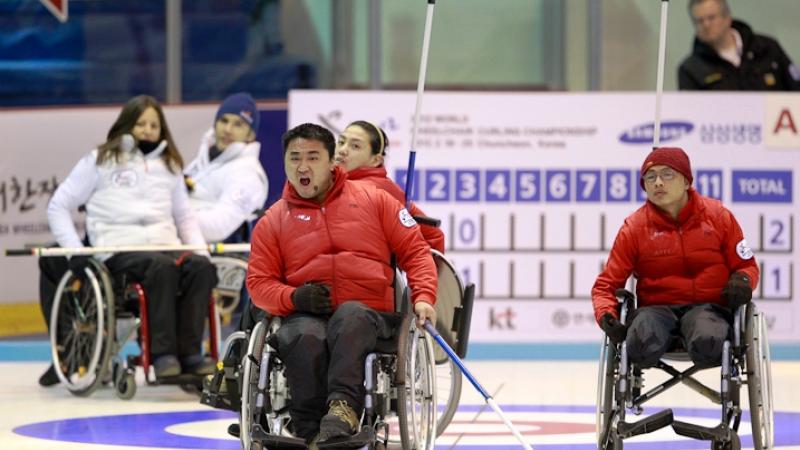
[242,105]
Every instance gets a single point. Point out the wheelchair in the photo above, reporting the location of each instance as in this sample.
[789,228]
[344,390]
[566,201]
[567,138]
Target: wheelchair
[745,361]
[230,289]
[413,389]
[92,318]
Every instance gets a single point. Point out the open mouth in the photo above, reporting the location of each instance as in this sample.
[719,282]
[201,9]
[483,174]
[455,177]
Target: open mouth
[305,181]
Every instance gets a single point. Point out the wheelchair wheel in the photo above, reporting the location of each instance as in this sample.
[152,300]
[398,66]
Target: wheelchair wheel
[82,329]
[448,393]
[605,392]
[125,384]
[416,400]
[231,272]
[759,379]
[734,444]
[250,375]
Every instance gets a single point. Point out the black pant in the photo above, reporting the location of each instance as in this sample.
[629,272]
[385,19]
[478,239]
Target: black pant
[51,270]
[703,328]
[178,290]
[324,359]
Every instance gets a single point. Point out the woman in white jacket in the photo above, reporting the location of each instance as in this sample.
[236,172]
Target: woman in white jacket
[134,194]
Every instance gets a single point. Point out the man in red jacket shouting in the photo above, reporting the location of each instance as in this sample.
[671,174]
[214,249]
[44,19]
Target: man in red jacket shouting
[320,259]
[691,262]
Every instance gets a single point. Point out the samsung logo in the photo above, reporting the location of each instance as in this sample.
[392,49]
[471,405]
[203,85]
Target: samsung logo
[643,134]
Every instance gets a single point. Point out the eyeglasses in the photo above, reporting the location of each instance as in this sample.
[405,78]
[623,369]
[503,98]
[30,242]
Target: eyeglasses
[666,175]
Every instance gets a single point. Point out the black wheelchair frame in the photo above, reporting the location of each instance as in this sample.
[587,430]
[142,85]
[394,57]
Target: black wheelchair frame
[745,361]
[263,402]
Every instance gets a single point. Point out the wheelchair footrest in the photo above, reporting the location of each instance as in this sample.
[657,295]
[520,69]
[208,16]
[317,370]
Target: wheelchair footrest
[649,424]
[361,439]
[273,442]
[216,395]
[718,433]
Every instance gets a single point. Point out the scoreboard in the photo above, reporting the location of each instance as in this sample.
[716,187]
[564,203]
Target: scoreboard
[533,187]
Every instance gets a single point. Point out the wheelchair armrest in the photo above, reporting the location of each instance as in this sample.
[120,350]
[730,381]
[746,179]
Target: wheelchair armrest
[627,304]
[624,295]
[464,319]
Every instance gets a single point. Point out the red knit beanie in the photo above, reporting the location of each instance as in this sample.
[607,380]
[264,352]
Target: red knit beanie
[673,157]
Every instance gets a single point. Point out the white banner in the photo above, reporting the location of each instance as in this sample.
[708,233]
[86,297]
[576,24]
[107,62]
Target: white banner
[532,188]
[40,147]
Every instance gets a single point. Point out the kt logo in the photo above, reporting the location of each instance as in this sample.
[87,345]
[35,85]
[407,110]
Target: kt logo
[502,320]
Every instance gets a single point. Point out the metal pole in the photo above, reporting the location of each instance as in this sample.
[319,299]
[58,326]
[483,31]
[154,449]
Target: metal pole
[174,24]
[662,51]
[489,400]
[595,43]
[59,251]
[423,67]
[375,50]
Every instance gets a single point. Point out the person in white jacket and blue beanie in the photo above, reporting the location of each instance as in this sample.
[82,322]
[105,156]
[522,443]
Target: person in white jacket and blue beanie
[226,180]
[134,194]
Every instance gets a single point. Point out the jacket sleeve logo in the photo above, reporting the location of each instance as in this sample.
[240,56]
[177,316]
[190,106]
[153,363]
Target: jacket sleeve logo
[406,219]
[743,250]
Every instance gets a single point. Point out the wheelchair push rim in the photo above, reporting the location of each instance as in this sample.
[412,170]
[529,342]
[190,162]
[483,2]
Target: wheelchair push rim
[416,400]
[759,380]
[249,378]
[86,321]
[448,393]
[605,391]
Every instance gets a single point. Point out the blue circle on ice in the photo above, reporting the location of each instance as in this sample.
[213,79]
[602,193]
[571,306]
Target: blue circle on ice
[153,429]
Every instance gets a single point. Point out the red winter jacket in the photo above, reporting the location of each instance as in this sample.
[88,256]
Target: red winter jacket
[377,176]
[346,242]
[675,262]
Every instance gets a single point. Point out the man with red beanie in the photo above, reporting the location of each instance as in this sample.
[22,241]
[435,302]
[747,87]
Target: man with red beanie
[320,259]
[691,262]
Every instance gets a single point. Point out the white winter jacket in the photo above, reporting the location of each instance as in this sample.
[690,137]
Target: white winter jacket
[228,189]
[136,201]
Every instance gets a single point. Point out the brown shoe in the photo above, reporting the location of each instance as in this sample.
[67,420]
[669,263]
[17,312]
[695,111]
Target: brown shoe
[340,421]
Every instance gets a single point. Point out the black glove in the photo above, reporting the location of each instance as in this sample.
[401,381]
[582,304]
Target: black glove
[312,298]
[615,331]
[737,291]
[77,264]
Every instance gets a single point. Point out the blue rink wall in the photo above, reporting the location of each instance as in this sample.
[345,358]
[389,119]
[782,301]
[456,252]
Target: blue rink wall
[40,351]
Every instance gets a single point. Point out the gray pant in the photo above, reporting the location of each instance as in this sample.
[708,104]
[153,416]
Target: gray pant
[702,329]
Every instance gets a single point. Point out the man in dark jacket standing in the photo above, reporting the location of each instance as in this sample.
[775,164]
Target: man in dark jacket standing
[728,56]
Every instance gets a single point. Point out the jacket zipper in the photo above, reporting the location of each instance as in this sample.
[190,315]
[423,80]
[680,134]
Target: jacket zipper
[685,265]
[333,260]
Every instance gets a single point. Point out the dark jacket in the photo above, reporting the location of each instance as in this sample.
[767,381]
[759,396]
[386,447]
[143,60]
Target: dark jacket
[764,66]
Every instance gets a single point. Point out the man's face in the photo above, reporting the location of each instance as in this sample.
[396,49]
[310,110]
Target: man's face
[309,168]
[665,186]
[353,150]
[231,128]
[711,23]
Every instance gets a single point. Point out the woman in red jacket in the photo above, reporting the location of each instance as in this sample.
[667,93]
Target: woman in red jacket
[360,150]
[691,262]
